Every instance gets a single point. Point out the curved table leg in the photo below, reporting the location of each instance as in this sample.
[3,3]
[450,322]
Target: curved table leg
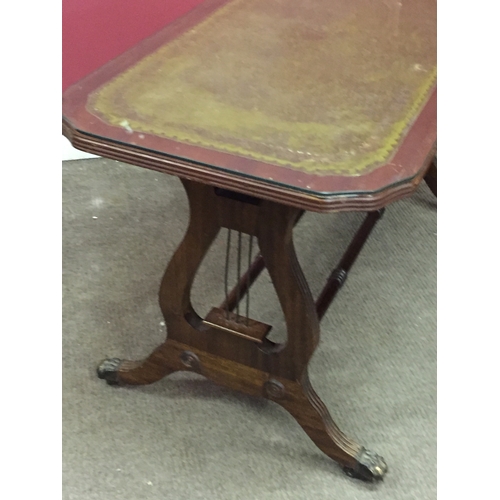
[302,402]
[292,389]
[280,373]
[117,371]
[175,293]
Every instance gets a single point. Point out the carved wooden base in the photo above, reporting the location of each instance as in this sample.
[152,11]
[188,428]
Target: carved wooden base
[237,355]
[298,398]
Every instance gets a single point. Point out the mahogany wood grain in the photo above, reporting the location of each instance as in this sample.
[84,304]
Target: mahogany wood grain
[262,196]
[263,368]
[377,193]
[395,178]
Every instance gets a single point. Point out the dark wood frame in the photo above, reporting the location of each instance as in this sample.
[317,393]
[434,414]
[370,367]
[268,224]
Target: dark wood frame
[397,179]
[221,347]
[240,356]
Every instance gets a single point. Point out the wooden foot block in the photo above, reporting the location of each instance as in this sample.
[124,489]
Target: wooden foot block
[240,326]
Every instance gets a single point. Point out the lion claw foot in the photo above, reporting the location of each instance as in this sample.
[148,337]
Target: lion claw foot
[108,370]
[370,467]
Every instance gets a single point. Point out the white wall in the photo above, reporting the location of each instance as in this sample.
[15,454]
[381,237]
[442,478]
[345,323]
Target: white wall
[70,153]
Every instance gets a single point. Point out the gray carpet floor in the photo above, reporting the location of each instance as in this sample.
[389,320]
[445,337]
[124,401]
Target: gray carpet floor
[186,438]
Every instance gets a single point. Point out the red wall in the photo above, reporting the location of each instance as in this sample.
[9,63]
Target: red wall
[96,31]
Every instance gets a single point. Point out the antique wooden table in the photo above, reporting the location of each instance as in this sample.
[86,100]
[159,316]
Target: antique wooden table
[266,109]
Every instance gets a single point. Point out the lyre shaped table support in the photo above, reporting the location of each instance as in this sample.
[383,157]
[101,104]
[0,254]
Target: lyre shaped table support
[248,361]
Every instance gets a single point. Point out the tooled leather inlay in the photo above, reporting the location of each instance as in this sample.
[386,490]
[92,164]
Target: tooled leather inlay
[326,87]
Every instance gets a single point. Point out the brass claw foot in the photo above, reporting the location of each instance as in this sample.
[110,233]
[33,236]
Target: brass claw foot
[370,467]
[108,370]
[116,371]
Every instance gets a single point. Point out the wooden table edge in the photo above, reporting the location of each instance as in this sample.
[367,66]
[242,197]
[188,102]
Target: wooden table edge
[185,169]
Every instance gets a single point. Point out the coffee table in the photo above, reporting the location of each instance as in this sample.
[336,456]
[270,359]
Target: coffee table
[266,109]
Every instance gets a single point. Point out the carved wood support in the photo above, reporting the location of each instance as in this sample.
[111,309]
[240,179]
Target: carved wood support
[241,358]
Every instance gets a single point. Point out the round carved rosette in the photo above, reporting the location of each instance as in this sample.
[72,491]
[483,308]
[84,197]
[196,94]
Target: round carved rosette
[190,360]
[274,389]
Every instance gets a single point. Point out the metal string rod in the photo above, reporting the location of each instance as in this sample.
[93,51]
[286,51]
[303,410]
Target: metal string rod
[256,267]
[226,273]
[247,279]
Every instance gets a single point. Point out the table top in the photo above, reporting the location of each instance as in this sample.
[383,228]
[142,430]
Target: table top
[322,104]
